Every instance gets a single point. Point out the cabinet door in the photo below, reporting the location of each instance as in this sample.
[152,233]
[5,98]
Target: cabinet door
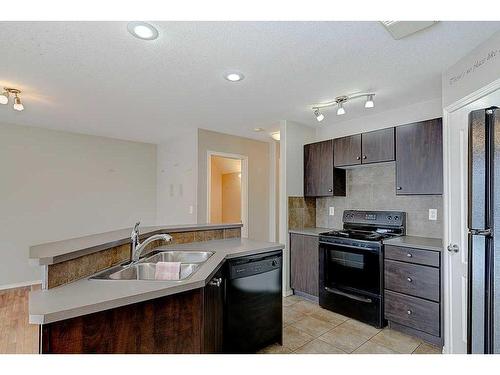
[304,258]
[377,146]
[347,151]
[318,169]
[213,314]
[419,158]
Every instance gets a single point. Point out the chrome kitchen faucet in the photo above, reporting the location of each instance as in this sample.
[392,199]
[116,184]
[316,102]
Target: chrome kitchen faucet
[138,247]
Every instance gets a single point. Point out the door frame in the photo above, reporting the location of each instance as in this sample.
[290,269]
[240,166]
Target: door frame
[244,186]
[449,330]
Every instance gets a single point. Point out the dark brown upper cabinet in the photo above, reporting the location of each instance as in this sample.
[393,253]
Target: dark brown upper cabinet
[377,146]
[321,179]
[419,158]
[347,150]
[372,147]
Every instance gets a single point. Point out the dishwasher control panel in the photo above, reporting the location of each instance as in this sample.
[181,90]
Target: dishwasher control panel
[254,267]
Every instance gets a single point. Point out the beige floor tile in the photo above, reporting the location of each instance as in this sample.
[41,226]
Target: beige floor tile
[328,316]
[305,307]
[318,347]
[275,349]
[343,338]
[313,326]
[361,329]
[291,316]
[290,300]
[294,338]
[396,341]
[370,347]
[425,348]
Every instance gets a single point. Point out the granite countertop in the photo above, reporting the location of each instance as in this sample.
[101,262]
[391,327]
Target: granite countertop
[60,251]
[310,231]
[88,296]
[435,244]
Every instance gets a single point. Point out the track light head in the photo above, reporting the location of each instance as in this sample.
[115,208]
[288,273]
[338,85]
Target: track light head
[319,116]
[369,101]
[18,105]
[340,109]
[4,97]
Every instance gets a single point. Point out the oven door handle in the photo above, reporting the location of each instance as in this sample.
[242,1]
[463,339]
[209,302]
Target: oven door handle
[349,295]
[372,249]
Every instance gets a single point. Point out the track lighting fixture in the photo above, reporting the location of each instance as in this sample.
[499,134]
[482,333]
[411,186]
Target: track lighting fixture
[339,102]
[318,114]
[4,98]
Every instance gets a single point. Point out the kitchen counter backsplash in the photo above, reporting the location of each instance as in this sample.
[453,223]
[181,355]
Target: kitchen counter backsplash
[373,188]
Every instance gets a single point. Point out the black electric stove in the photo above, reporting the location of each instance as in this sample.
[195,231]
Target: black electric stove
[352,261]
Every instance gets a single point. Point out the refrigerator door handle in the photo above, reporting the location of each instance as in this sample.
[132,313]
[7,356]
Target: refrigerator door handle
[480,232]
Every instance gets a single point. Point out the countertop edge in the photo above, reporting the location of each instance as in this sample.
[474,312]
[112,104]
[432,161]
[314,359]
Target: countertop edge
[44,260]
[425,243]
[311,231]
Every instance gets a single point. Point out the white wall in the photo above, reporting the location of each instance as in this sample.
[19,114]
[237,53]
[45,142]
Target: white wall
[403,115]
[56,185]
[178,179]
[259,167]
[293,138]
[474,71]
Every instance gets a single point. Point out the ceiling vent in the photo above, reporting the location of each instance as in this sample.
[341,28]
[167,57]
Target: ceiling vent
[401,29]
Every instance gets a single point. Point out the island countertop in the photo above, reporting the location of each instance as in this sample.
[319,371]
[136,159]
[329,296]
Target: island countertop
[88,296]
[60,251]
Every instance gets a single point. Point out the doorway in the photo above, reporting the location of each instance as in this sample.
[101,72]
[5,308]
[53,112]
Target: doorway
[227,189]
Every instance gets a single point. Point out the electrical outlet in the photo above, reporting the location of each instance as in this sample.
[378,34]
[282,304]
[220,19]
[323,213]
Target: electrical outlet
[433,214]
[331,211]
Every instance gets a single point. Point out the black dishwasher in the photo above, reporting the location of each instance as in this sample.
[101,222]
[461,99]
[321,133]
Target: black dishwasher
[253,303]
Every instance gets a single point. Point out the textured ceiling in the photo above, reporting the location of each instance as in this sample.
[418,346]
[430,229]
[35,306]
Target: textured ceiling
[95,78]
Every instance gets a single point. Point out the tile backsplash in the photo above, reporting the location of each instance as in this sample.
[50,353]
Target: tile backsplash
[301,212]
[373,188]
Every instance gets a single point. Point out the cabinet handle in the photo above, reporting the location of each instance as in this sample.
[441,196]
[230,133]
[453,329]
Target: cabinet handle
[409,279]
[364,156]
[409,312]
[409,255]
[330,190]
[216,282]
[399,188]
[358,158]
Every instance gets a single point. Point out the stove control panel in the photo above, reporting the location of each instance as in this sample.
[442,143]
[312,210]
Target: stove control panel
[392,218]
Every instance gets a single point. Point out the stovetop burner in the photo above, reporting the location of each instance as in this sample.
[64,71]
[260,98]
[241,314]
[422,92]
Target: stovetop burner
[358,234]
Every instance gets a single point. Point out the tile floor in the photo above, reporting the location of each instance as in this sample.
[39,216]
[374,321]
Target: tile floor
[309,329]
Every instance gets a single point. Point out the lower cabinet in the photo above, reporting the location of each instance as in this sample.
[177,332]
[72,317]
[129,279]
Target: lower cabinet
[413,298]
[171,324]
[213,314]
[304,263]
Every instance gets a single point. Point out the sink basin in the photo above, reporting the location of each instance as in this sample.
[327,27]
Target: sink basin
[179,256]
[146,271]
[146,267]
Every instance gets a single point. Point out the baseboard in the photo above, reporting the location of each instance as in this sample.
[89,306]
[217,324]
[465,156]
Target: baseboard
[20,285]
[287,293]
[307,296]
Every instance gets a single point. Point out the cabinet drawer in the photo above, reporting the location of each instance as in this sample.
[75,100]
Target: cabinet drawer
[412,255]
[413,279]
[413,312]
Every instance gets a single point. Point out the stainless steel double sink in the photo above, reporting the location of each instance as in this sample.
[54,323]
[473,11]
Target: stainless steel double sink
[145,269]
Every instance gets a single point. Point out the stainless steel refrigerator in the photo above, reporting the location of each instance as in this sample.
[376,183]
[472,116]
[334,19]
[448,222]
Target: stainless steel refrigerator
[483,312]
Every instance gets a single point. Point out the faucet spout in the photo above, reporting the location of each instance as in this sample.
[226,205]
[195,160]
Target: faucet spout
[138,247]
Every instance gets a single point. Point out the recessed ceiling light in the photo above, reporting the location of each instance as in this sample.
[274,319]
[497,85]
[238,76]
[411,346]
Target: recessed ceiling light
[142,30]
[234,77]
[275,136]
[258,129]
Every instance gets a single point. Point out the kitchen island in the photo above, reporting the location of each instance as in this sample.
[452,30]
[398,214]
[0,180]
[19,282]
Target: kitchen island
[141,316]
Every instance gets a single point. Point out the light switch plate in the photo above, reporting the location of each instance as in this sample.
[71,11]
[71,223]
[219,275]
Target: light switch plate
[433,214]
[331,212]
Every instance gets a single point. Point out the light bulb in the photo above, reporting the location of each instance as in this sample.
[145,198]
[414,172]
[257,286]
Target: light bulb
[4,97]
[142,30]
[340,109]
[369,102]
[234,77]
[319,116]
[18,106]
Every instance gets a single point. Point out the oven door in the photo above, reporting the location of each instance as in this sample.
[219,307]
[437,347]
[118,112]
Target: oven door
[351,281]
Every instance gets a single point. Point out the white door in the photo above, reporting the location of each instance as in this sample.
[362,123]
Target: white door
[456,135]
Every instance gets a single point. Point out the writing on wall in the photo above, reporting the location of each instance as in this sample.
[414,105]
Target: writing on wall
[479,63]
